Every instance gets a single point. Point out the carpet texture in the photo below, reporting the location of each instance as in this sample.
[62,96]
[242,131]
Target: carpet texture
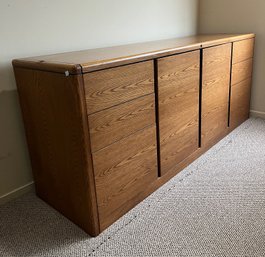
[214,207]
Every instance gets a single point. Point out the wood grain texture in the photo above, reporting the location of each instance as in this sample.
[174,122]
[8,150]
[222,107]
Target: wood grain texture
[243,50]
[122,172]
[113,124]
[101,58]
[41,65]
[56,127]
[178,93]
[241,71]
[150,188]
[215,91]
[115,107]
[114,86]
[240,102]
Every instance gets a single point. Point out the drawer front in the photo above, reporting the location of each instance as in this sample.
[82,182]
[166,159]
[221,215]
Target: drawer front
[178,89]
[241,71]
[115,123]
[122,171]
[110,87]
[243,50]
[240,102]
[215,92]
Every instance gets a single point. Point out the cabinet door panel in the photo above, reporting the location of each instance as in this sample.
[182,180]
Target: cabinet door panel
[122,171]
[242,71]
[178,92]
[115,123]
[243,50]
[110,87]
[240,102]
[215,92]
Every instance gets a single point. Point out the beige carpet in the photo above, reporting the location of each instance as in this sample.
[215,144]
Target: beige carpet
[215,207]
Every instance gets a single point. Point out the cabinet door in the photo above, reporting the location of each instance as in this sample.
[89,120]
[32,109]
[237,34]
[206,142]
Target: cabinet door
[243,50]
[241,81]
[240,102]
[215,92]
[110,87]
[122,129]
[113,124]
[123,171]
[178,93]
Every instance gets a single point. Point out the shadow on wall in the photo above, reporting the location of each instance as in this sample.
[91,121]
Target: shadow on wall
[15,168]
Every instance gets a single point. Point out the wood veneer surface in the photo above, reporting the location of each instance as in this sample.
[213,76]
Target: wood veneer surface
[240,102]
[243,50]
[83,186]
[95,59]
[115,123]
[215,91]
[178,93]
[59,144]
[242,71]
[118,85]
[123,170]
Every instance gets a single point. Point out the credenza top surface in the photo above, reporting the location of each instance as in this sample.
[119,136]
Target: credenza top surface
[96,59]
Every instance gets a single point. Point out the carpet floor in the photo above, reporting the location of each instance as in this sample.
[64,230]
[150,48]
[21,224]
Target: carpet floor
[214,207]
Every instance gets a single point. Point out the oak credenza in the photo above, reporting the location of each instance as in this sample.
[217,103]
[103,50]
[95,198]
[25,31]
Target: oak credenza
[107,127]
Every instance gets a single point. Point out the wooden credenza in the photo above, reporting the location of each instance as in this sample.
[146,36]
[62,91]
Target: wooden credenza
[107,127]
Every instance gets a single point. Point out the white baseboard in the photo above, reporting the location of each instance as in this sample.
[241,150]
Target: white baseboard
[16,193]
[257,114]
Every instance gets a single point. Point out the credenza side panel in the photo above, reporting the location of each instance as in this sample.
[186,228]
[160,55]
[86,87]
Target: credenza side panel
[56,127]
[178,94]
[215,92]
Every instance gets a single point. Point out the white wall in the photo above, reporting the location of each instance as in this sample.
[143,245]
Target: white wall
[37,27]
[240,16]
